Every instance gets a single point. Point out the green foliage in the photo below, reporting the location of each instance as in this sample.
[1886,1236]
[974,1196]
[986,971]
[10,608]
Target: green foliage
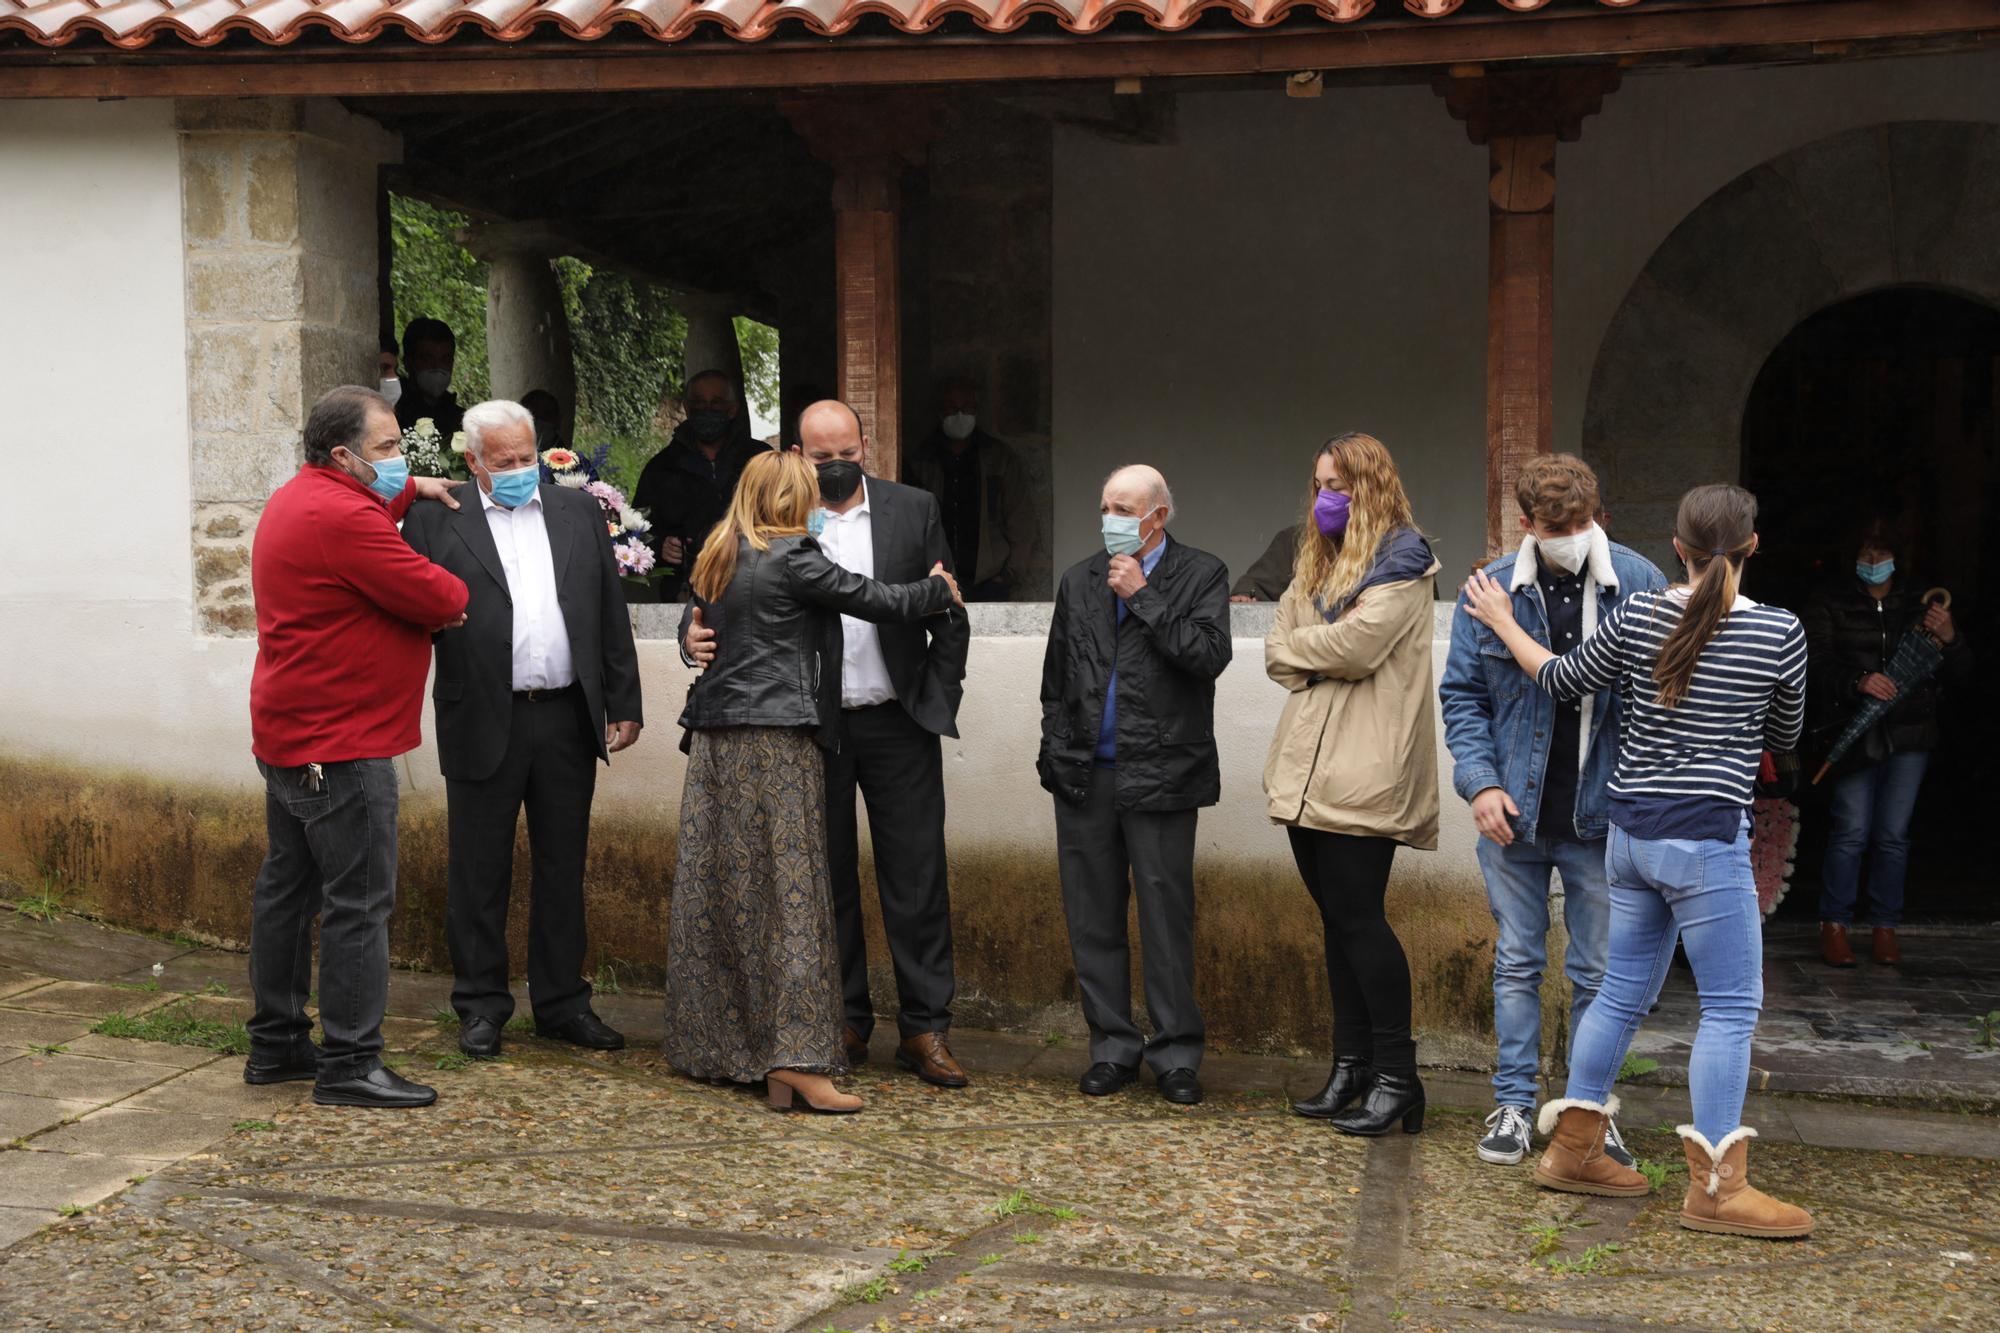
[1012,1204]
[905,1262]
[758,344]
[1547,1236]
[177,1025]
[46,905]
[1029,1238]
[873,1290]
[1587,1261]
[988,1260]
[1635,1066]
[253,1126]
[70,1210]
[628,340]
[451,1061]
[431,274]
[1656,1173]
[1986,1029]
[56,1048]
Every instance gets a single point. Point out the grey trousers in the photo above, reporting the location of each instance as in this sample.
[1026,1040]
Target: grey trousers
[330,854]
[1103,854]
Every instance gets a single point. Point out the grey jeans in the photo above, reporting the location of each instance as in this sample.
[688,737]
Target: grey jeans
[1103,854]
[331,854]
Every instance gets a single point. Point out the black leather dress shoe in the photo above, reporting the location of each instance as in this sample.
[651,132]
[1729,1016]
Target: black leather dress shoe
[1104,1078]
[1390,1098]
[479,1038]
[1181,1087]
[295,1067]
[380,1087]
[1349,1079]
[583,1029]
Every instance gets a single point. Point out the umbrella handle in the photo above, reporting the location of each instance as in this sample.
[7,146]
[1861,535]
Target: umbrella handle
[1939,596]
[1823,770]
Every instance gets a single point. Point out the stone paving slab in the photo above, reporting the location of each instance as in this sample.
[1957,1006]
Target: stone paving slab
[154,1136]
[218,1088]
[56,1180]
[83,1078]
[90,999]
[20,1028]
[146,1052]
[13,981]
[73,947]
[21,1116]
[19,1223]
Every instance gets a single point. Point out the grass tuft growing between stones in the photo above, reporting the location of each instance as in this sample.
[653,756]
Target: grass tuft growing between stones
[177,1025]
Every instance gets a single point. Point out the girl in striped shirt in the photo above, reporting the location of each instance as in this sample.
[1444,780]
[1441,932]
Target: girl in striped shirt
[1709,679]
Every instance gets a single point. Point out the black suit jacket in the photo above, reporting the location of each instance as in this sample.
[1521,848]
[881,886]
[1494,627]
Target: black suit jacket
[473,695]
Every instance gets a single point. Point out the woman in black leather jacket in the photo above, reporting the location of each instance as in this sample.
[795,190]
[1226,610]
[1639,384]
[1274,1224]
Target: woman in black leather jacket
[1853,625]
[753,974]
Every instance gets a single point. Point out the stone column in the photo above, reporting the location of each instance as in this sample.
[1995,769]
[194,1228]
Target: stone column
[527,330]
[278,200]
[868,140]
[711,338]
[1520,117]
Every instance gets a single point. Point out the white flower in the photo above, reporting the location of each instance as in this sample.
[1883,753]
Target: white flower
[575,480]
[457,437]
[632,520]
[425,426]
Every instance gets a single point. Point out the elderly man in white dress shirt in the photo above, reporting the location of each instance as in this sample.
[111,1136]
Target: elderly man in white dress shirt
[539,685]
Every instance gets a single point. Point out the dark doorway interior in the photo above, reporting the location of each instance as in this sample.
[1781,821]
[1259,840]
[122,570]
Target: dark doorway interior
[1892,399]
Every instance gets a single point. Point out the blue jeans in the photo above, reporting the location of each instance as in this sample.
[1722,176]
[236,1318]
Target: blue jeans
[1517,889]
[1871,810]
[1704,893]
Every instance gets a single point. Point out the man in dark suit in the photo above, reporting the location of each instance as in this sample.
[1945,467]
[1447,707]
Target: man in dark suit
[540,684]
[899,689]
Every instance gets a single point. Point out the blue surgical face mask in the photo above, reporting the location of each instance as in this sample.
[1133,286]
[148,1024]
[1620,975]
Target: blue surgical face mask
[1876,574]
[514,489]
[816,522]
[1121,533]
[391,476]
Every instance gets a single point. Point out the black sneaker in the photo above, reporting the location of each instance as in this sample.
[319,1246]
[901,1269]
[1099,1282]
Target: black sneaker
[1508,1136]
[1614,1145]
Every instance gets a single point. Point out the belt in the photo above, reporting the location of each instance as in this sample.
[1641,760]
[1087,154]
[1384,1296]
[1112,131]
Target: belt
[544,694]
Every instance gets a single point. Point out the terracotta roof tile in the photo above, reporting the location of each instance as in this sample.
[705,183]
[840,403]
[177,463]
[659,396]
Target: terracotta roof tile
[136,23]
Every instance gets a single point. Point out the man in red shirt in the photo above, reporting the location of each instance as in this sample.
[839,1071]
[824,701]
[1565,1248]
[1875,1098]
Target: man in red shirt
[345,611]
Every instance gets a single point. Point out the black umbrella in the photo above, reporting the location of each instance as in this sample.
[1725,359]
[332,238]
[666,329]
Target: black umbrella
[1916,659]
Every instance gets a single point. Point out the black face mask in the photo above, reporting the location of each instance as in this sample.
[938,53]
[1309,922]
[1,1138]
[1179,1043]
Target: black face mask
[837,480]
[708,424]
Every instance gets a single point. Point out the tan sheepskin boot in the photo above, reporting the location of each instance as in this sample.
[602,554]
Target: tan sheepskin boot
[1719,1196]
[1574,1161]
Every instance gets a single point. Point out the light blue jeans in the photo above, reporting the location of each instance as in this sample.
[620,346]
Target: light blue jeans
[1872,809]
[1704,893]
[1517,889]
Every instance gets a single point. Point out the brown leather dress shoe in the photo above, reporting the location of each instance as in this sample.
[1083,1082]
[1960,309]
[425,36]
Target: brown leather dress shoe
[927,1056]
[855,1046]
[1834,950]
[1884,946]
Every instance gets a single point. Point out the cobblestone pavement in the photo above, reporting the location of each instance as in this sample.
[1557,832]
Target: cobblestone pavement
[553,1188]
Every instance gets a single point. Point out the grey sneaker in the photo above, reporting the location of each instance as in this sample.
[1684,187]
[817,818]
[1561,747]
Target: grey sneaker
[1614,1145]
[1508,1136]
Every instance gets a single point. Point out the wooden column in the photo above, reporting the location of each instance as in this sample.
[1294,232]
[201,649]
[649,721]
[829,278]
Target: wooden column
[1520,117]
[868,140]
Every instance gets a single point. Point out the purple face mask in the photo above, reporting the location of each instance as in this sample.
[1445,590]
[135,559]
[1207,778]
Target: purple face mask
[1330,512]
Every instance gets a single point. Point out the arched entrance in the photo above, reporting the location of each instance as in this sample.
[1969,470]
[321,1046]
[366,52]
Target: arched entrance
[1826,328]
[1889,404]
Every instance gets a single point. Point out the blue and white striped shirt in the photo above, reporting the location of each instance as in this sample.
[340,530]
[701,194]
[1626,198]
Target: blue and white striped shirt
[1748,694]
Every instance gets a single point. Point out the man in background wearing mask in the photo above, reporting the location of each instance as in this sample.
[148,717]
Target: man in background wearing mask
[540,685]
[429,351]
[899,692]
[1139,635]
[547,412]
[685,489]
[345,612]
[1536,772]
[385,371]
[982,494]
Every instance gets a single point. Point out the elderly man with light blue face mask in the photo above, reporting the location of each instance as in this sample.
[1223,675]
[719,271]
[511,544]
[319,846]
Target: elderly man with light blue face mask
[1139,635]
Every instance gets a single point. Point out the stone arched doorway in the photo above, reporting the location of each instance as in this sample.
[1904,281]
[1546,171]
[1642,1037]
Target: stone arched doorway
[1911,203]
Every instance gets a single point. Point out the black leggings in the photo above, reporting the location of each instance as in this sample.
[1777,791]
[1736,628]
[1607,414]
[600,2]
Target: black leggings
[1365,967]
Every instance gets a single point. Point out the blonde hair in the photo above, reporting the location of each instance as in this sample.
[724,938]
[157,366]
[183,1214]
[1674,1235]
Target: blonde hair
[774,498]
[1328,570]
[1717,528]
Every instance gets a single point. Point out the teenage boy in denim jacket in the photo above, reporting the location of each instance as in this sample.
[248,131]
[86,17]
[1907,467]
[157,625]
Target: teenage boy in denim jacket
[1534,772]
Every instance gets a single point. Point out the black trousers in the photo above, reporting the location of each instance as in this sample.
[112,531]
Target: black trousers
[1103,854]
[898,768]
[551,767]
[1366,970]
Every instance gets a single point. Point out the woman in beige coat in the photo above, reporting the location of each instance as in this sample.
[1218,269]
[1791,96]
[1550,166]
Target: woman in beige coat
[1353,768]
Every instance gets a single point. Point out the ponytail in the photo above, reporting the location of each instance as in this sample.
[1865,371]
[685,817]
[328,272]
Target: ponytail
[1718,522]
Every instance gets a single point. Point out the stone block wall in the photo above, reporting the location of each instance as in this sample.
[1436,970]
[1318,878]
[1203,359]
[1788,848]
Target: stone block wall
[279,226]
[992,203]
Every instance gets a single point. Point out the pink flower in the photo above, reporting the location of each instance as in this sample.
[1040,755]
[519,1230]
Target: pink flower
[633,557]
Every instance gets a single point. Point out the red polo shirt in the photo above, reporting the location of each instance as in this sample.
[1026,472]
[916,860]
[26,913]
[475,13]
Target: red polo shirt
[344,615]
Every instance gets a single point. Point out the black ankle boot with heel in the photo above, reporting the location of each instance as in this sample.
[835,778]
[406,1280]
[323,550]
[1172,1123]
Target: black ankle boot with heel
[1390,1098]
[1344,1085]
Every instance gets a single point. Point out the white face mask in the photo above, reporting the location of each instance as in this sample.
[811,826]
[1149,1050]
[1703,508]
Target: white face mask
[434,383]
[957,426]
[1567,553]
[392,389]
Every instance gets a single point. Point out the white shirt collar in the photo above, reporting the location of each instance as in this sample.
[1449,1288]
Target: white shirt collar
[1597,564]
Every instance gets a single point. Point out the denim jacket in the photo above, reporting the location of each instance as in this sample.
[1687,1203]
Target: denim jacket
[1497,724]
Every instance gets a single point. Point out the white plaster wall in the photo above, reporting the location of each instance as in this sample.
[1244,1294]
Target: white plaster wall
[1290,268]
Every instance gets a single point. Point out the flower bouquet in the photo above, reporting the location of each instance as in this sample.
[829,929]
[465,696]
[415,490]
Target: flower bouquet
[1774,846]
[629,528]
[429,455]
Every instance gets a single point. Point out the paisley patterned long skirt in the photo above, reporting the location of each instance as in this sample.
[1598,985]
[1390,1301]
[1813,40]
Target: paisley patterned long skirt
[753,973]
